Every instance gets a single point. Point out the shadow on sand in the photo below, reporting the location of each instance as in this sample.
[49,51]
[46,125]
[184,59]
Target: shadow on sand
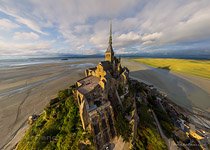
[179,90]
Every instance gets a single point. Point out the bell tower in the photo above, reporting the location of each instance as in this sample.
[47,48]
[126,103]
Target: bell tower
[109,54]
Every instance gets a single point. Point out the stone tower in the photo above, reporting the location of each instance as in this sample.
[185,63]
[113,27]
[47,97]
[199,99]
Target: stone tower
[109,54]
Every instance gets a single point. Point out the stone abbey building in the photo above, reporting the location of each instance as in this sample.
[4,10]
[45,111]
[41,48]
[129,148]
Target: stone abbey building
[97,94]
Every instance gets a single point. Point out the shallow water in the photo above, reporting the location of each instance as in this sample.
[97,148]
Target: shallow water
[179,90]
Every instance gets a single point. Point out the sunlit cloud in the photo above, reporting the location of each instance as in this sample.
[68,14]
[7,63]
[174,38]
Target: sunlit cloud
[7,24]
[83,27]
[25,36]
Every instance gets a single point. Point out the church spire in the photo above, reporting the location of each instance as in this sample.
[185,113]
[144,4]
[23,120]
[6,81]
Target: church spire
[109,54]
[110,34]
[110,49]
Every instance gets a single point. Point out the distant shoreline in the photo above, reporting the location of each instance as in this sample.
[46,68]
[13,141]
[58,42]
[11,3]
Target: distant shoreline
[194,57]
[8,62]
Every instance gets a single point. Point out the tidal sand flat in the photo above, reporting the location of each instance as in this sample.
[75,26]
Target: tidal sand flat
[188,91]
[27,89]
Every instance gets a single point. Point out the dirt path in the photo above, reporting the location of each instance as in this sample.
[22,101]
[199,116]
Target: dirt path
[169,142]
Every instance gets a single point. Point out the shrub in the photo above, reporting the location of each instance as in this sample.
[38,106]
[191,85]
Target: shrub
[61,130]
[123,127]
[63,94]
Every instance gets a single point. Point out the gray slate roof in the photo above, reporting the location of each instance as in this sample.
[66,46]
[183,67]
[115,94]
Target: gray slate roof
[88,84]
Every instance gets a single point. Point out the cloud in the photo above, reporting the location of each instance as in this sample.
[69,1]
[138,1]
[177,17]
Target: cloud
[178,22]
[99,40]
[7,24]
[128,39]
[131,36]
[25,36]
[30,24]
[194,28]
[10,10]
[81,29]
[78,26]
[151,37]
[11,48]
[67,12]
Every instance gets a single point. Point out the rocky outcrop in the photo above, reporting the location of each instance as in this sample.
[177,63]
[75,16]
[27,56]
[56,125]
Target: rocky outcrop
[32,119]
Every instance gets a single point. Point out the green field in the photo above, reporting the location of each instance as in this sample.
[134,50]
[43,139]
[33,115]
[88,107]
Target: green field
[187,66]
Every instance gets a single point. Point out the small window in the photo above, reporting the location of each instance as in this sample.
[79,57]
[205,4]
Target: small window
[79,100]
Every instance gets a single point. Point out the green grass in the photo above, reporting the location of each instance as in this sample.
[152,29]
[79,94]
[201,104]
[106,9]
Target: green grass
[147,134]
[59,127]
[199,68]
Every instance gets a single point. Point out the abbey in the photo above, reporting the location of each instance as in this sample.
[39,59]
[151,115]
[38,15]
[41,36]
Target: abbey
[97,94]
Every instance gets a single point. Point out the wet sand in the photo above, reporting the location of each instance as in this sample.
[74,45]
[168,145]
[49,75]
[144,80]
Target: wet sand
[27,90]
[188,91]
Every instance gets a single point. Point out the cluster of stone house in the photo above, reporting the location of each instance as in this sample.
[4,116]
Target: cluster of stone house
[95,96]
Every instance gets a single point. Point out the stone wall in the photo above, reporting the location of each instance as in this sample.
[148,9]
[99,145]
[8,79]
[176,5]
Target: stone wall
[102,125]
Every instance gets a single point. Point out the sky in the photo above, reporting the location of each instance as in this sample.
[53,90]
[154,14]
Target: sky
[55,27]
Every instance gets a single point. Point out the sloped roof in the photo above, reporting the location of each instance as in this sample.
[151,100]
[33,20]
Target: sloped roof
[88,84]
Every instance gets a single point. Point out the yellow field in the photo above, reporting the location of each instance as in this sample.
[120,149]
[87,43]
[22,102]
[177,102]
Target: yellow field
[194,67]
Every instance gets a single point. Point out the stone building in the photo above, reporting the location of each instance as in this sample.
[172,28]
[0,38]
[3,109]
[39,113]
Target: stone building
[95,96]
